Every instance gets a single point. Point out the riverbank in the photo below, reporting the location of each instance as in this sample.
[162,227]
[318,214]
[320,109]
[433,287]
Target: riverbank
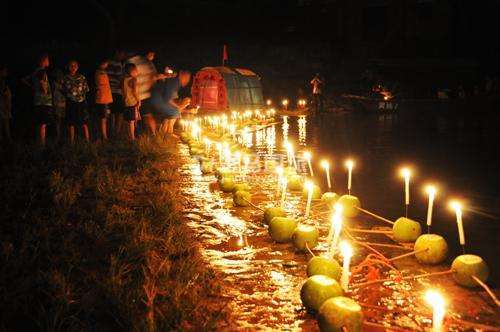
[92,239]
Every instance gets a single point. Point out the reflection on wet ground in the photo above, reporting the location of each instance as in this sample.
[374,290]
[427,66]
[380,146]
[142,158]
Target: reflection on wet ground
[264,278]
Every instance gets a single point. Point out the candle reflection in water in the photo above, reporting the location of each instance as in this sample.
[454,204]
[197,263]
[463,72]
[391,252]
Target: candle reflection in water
[285,127]
[302,122]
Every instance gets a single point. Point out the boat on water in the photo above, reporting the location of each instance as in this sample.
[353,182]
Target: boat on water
[385,104]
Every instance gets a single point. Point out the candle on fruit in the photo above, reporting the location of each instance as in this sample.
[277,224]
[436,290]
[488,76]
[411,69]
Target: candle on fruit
[346,251]
[350,165]
[457,207]
[284,183]
[335,228]
[309,186]
[279,172]
[406,174]
[246,162]
[219,150]
[436,301]
[307,156]
[284,102]
[431,192]
[237,154]
[326,165]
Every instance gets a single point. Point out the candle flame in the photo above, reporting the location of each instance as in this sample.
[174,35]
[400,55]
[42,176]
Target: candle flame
[307,155]
[284,102]
[325,164]
[405,172]
[309,185]
[279,170]
[269,102]
[345,249]
[434,299]
[431,190]
[456,206]
[349,163]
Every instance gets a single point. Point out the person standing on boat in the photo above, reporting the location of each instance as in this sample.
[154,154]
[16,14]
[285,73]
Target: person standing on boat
[317,87]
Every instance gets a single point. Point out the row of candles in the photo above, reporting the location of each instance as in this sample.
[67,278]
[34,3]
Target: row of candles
[346,251]
[301,103]
[433,297]
[405,172]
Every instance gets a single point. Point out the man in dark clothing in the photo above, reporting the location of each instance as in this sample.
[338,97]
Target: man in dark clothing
[317,87]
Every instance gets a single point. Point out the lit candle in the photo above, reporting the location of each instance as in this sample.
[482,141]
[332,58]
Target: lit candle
[307,156]
[309,186]
[279,171]
[269,102]
[346,252]
[431,192]
[336,227]
[457,207]
[285,103]
[284,183]
[406,173]
[219,149]
[350,165]
[246,161]
[436,301]
[238,157]
[326,166]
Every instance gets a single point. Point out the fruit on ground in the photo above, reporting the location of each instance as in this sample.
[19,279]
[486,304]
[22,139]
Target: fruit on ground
[242,198]
[272,212]
[223,172]
[317,289]
[206,167]
[305,234]
[329,197]
[466,266]
[271,165]
[241,187]
[349,205]
[434,246]
[295,182]
[226,184]
[340,313]
[281,229]
[316,192]
[406,230]
[320,265]
[289,171]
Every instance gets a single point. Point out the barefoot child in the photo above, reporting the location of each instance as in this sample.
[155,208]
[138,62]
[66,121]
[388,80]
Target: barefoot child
[103,97]
[131,99]
[75,88]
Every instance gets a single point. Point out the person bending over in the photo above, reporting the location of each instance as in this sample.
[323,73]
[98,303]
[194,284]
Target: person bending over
[166,103]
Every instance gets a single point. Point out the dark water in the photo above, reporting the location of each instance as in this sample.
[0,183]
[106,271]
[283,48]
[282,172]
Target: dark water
[460,153]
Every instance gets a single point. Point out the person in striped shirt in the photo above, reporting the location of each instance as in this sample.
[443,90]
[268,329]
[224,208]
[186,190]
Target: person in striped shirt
[115,74]
[145,80]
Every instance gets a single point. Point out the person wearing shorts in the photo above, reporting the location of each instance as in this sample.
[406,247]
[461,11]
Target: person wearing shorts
[115,74]
[166,103]
[103,97]
[131,99]
[75,88]
[42,97]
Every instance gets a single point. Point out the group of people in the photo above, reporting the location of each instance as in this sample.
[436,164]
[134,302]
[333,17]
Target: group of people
[123,92]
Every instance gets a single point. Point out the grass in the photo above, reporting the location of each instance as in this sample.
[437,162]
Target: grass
[92,239]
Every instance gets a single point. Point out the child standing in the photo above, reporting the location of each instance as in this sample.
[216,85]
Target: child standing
[103,97]
[42,96]
[5,105]
[131,100]
[75,88]
[59,101]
